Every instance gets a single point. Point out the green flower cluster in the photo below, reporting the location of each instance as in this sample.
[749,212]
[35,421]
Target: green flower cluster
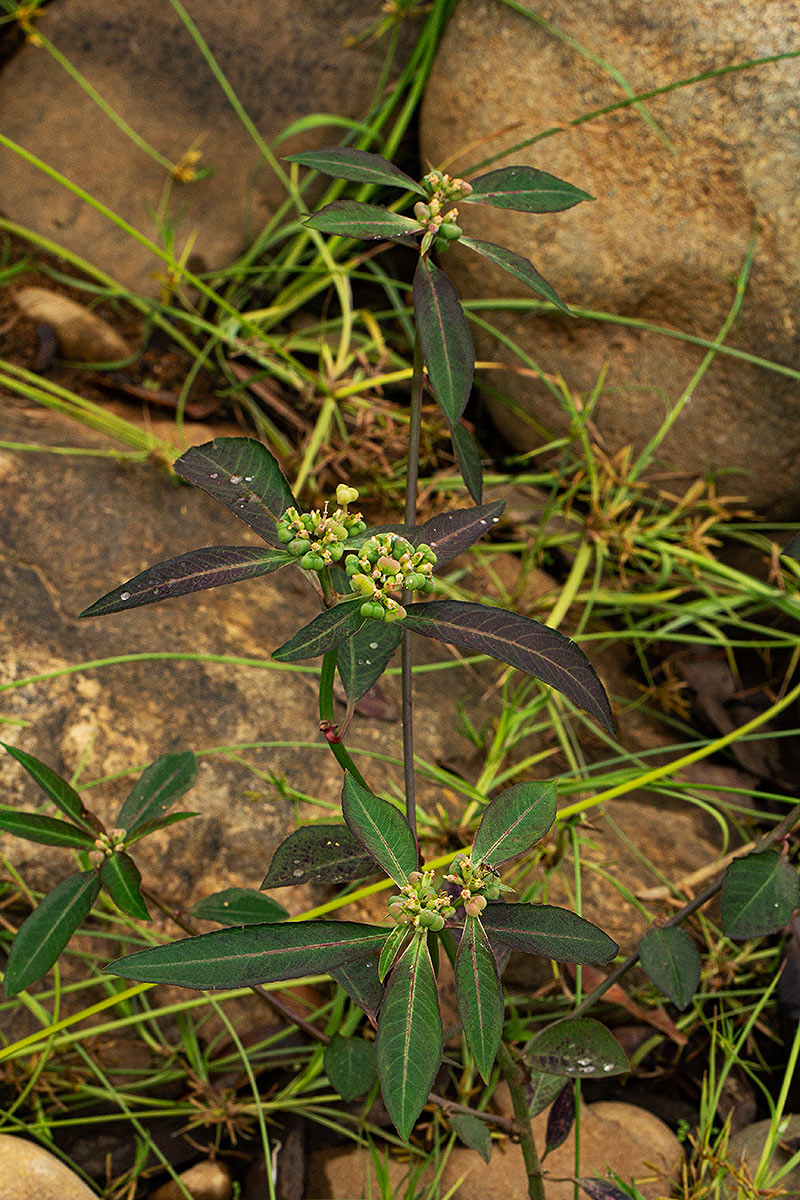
[476,883]
[389,563]
[437,217]
[106,845]
[420,905]
[317,538]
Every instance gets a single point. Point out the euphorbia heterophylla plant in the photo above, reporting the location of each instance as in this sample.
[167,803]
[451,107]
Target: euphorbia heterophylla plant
[367,580]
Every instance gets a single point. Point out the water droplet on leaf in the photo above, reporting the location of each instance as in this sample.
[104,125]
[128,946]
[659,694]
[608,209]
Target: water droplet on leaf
[124,595]
[236,479]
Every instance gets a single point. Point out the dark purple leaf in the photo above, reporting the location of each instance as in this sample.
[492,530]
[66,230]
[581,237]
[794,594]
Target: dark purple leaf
[359,979]
[792,548]
[363,658]
[196,571]
[242,474]
[345,162]
[521,268]
[541,1090]
[524,189]
[449,533]
[548,930]
[601,1189]
[351,218]
[239,906]
[576,1046]
[444,338]
[468,459]
[318,854]
[520,642]
[350,1065]
[324,633]
[560,1118]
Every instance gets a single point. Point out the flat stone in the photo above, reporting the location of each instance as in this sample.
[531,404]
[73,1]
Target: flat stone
[146,66]
[82,335]
[203,1181]
[29,1172]
[669,231]
[744,1152]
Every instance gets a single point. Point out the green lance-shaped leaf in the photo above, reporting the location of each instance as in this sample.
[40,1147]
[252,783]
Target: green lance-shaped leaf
[359,978]
[449,533]
[122,881]
[444,338]
[524,189]
[578,1047]
[560,1119]
[473,1132]
[359,166]
[390,950]
[670,959]
[601,1189]
[54,787]
[239,906]
[148,827]
[196,571]
[381,829]
[514,821]
[350,1066]
[410,1040]
[364,657]
[351,218]
[521,268]
[541,1090]
[520,642]
[479,995]
[547,930]
[48,831]
[242,474]
[249,954]
[157,789]
[468,459]
[324,633]
[318,854]
[759,894]
[47,930]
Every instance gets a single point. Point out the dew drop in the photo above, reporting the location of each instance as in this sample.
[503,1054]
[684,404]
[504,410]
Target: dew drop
[482,521]
[248,478]
[236,479]
[608,1066]
[214,475]
[373,645]
[298,873]
[124,595]
[225,903]
[495,520]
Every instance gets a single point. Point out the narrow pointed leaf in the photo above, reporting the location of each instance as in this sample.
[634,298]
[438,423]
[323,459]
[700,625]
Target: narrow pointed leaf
[792,548]
[48,831]
[351,218]
[473,1132]
[157,789]
[196,571]
[514,821]
[670,959]
[55,788]
[390,950]
[468,459]
[444,338]
[759,894]
[578,1047]
[541,1090]
[324,633]
[449,533]
[249,954]
[548,930]
[521,268]
[239,906]
[242,474]
[560,1119]
[410,1040]
[47,930]
[350,1066]
[148,827]
[344,162]
[122,880]
[479,995]
[601,1189]
[363,658]
[381,829]
[318,854]
[525,190]
[520,642]
[359,978]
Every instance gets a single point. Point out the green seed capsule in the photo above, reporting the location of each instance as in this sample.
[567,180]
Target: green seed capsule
[450,231]
[300,546]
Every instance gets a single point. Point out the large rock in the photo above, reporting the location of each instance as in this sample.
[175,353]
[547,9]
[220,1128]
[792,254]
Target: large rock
[283,61]
[29,1172]
[668,234]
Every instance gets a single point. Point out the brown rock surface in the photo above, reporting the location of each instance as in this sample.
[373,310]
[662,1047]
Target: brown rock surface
[29,1172]
[81,334]
[670,229]
[284,62]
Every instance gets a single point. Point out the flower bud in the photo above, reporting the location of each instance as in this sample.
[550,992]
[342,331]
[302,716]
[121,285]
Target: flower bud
[475,906]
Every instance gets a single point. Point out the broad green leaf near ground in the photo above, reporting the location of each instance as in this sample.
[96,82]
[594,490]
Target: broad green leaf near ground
[480,996]
[318,854]
[514,821]
[381,829]
[350,1066]
[579,1047]
[47,930]
[410,1040]
[759,894]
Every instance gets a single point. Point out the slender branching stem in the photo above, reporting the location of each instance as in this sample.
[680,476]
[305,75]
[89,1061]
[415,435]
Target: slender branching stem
[512,1076]
[414,432]
[326,721]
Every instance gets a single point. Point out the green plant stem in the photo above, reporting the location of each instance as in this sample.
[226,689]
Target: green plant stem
[533,1168]
[412,476]
[780,830]
[326,721]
